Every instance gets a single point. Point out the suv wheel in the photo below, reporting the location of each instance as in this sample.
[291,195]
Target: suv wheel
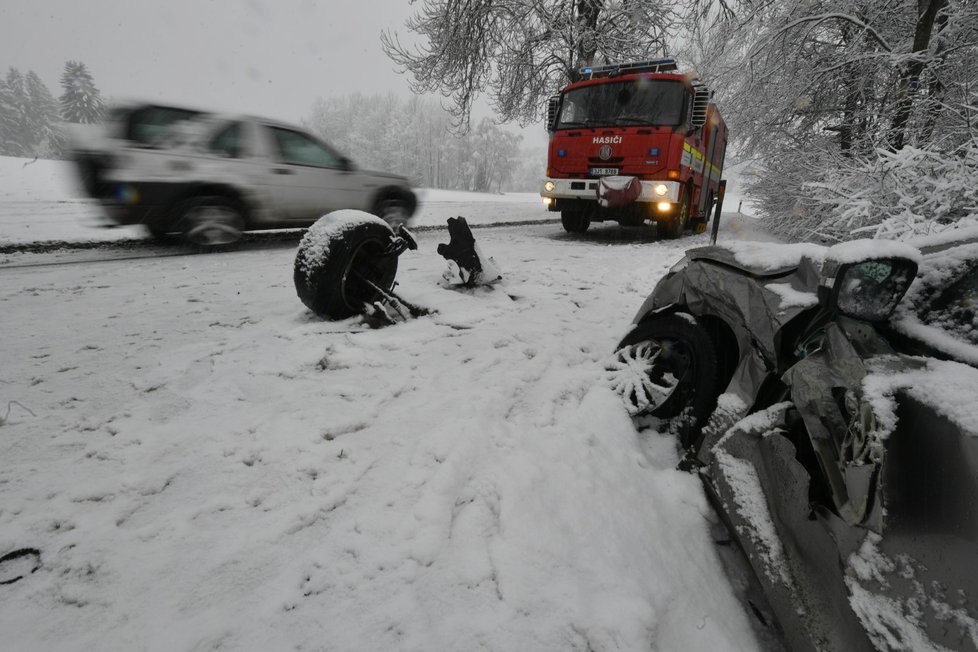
[158,230]
[211,222]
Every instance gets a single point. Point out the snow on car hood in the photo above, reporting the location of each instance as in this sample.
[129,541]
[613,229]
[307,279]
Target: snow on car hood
[948,387]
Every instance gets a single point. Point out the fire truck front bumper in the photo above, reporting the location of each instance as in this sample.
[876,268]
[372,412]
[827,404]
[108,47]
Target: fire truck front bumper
[555,190]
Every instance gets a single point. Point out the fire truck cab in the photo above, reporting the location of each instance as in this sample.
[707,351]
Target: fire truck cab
[634,143]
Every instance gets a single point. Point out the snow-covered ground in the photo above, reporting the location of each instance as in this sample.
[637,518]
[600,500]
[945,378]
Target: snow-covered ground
[201,463]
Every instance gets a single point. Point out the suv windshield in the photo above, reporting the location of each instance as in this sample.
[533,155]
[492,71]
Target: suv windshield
[634,102]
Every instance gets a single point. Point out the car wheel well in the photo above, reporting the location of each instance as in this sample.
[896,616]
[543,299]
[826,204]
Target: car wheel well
[728,352]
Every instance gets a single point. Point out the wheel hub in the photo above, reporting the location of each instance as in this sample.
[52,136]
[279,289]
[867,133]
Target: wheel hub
[212,226]
[647,374]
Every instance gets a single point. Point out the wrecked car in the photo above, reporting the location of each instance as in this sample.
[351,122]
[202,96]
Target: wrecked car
[841,465]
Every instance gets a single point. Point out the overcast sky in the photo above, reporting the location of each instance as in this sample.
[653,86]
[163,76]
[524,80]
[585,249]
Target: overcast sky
[265,57]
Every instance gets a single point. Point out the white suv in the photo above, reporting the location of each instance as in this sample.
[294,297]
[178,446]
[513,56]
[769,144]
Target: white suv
[210,177]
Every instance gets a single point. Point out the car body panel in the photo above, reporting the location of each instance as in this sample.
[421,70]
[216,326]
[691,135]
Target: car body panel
[705,287]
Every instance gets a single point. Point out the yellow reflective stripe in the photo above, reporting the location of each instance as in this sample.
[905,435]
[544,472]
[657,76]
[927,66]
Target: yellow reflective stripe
[689,148]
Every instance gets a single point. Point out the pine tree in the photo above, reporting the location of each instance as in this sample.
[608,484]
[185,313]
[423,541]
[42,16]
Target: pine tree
[81,101]
[8,122]
[15,131]
[47,138]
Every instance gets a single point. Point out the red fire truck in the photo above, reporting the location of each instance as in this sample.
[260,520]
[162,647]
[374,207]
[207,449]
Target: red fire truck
[634,143]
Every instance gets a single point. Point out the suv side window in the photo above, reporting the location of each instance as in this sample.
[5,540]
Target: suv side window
[227,142]
[147,125]
[299,149]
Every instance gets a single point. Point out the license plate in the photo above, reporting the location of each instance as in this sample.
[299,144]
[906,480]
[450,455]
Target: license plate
[604,172]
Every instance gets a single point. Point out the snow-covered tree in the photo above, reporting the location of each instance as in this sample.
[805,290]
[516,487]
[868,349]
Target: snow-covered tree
[47,138]
[414,137]
[80,101]
[15,114]
[29,120]
[521,51]
[9,128]
[821,94]
[494,153]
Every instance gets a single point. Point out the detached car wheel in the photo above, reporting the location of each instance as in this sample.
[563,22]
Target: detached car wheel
[211,222]
[574,221]
[342,261]
[665,367]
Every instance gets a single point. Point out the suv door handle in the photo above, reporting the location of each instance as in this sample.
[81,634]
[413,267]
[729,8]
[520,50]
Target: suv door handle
[282,171]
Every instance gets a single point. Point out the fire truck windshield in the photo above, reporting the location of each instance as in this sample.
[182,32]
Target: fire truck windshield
[651,102]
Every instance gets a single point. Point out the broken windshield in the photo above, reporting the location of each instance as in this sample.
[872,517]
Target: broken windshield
[635,102]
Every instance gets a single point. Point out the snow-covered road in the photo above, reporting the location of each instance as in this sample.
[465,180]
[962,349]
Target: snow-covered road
[207,465]
[201,463]
[41,201]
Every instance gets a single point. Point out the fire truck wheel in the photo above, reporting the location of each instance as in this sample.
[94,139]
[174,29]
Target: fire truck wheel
[674,227]
[338,271]
[574,221]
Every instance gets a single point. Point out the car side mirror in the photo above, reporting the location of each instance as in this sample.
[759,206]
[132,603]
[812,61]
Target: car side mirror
[347,165]
[867,290]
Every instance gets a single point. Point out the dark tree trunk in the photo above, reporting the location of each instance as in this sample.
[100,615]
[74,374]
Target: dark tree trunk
[588,12]
[848,128]
[937,88]
[927,11]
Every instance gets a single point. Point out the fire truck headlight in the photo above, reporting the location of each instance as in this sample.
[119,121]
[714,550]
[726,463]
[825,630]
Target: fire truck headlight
[547,201]
[549,186]
[661,189]
[664,206]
